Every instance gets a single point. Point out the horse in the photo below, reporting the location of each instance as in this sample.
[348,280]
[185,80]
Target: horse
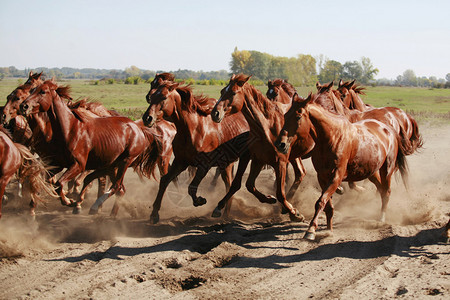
[343,151]
[265,118]
[199,141]
[107,145]
[154,84]
[17,159]
[402,122]
[36,132]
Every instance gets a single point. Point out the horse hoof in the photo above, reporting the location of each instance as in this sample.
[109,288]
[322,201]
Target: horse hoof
[199,201]
[216,213]
[154,219]
[77,210]
[340,190]
[297,217]
[311,236]
[92,211]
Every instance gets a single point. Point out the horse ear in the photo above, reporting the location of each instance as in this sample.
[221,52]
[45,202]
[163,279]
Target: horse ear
[318,86]
[241,83]
[330,85]
[341,83]
[30,74]
[351,83]
[53,79]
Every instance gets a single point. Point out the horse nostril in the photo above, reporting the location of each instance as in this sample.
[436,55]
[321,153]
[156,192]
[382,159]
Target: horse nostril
[282,145]
[24,107]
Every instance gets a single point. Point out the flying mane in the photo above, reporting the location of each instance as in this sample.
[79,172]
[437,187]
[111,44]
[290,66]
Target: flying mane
[195,103]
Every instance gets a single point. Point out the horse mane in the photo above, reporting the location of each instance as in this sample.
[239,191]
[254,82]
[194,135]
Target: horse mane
[328,100]
[165,76]
[286,86]
[195,103]
[267,107]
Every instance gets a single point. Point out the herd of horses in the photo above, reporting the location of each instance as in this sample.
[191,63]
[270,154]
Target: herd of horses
[346,139]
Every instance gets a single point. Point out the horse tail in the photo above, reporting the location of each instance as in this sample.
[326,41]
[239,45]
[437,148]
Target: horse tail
[401,162]
[145,163]
[36,172]
[416,138]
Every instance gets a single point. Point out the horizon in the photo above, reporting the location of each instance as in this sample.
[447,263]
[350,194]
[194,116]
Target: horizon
[200,36]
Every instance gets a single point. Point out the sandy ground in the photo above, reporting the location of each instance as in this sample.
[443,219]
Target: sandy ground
[258,254]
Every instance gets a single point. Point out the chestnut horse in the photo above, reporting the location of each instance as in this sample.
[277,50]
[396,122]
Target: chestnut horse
[18,159]
[402,122]
[107,145]
[343,151]
[265,118]
[199,141]
[36,132]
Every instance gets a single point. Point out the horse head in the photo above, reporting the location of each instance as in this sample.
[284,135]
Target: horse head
[279,90]
[17,96]
[231,98]
[163,102]
[296,123]
[156,82]
[41,97]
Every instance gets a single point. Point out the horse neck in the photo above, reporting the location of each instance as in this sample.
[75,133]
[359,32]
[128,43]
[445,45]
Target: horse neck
[326,127]
[357,102]
[261,113]
[63,116]
[40,123]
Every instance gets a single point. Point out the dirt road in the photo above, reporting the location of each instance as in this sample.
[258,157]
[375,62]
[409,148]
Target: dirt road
[258,254]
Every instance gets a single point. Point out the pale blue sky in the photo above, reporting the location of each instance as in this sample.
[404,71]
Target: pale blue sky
[200,35]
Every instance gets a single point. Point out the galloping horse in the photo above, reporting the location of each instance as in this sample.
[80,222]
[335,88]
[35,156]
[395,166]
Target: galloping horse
[37,133]
[343,151]
[17,159]
[265,118]
[106,145]
[199,141]
[403,123]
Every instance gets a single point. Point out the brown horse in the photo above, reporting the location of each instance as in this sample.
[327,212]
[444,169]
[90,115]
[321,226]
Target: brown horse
[343,151]
[106,145]
[403,123]
[265,118]
[199,141]
[37,133]
[18,159]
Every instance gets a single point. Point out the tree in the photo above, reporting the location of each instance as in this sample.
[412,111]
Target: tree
[409,78]
[239,61]
[352,70]
[369,71]
[331,70]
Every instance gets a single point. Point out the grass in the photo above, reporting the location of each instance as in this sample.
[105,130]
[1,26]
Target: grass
[129,100]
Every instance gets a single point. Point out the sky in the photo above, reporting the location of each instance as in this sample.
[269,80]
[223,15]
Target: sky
[168,35]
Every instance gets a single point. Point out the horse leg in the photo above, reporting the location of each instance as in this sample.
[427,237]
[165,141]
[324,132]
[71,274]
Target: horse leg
[28,193]
[227,177]
[175,169]
[86,183]
[280,172]
[3,182]
[300,172]
[216,176]
[235,185]
[70,173]
[193,186]
[255,168]
[329,187]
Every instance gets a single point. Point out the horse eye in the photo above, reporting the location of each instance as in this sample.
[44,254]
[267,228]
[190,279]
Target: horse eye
[298,117]
[42,92]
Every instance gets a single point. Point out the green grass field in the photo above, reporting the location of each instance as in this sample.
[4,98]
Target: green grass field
[129,100]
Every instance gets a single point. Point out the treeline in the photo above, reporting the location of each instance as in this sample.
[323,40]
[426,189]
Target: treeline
[300,70]
[117,75]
